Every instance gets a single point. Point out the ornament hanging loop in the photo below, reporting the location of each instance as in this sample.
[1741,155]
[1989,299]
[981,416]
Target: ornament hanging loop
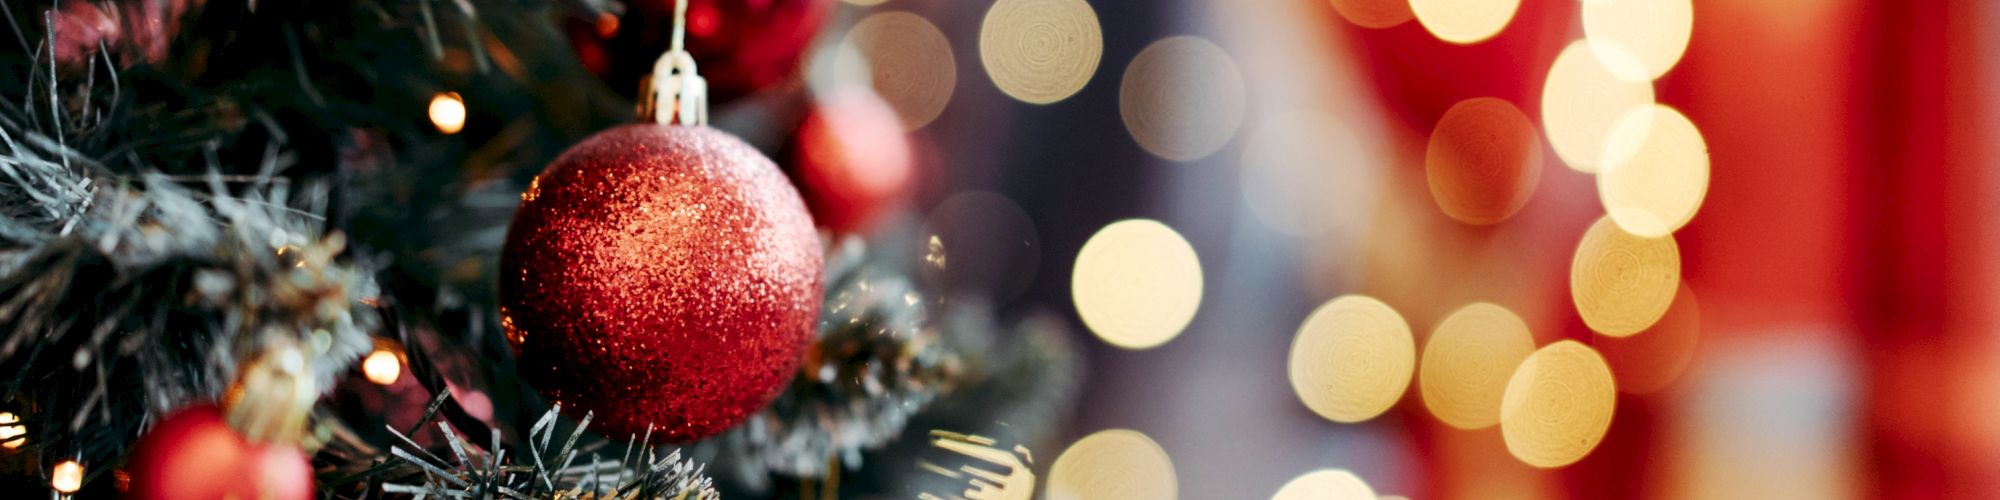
[675,94]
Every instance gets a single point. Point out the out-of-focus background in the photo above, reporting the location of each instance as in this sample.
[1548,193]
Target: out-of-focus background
[1838,273]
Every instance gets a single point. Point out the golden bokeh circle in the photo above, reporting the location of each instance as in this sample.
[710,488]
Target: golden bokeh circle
[1136,283]
[1467,362]
[909,62]
[1655,358]
[1113,464]
[1325,484]
[1352,359]
[1483,161]
[1623,283]
[1557,405]
[1182,98]
[447,112]
[1464,21]
[1040,51]
[1655,174]
[1582,100]
[1639,40]
[1374,13]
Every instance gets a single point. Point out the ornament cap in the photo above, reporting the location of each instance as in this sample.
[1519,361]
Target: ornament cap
[675,94]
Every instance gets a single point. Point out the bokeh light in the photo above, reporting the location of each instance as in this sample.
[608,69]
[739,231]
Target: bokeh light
[1467,362]
[1114,464]
[1326,484]
[66,477]
[1655,172]
[447,111]
[11,428]
[1040,51]
[1655,358]
[1353,359]
[1623,283]
[382,367]
[1582,100]
[1374,13]
[908,61]
[1638,40]
[1464,21]
[1306,173]
[1182,98]
[1558,404]
[1484,161]
[1136,284]
[980,242]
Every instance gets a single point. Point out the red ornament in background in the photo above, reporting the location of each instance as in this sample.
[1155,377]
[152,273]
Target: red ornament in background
[1418,77]
[664,275]
[741,45]
[853,159]
[195,455]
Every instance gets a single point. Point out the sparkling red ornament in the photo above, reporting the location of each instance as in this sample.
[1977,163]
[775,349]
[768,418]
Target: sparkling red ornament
[134,32]
[195,455]
[853,159]
[662,275]
[740,45]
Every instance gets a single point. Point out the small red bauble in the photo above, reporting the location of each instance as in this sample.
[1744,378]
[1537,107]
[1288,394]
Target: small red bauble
[740,45]
[661,275]
[853,159]
[195,455]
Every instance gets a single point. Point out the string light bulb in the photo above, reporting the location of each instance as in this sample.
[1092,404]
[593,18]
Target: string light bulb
[447,112]
[11,430]
[382,367]
[67,477]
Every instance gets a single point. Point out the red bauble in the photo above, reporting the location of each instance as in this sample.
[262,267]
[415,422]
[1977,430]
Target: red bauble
[660,275]
[853,159]
[195,455]
[740,45]
[1418,76]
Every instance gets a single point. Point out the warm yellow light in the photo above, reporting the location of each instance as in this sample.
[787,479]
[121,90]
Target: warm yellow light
[1136,284]
[382,367]
[1464,21]
[1114,464]
[67,477]
[909,62]
[1182,98]
[1483,161]
[1653,359]
[1623,283]
[1467,362]
[1326,484]
[1557,405]
[1639,40]
[1373,13]
[11,428]
[983,483]
[1040,51]
[1353,359]
[1655,174]
[448,112]
[1582,100]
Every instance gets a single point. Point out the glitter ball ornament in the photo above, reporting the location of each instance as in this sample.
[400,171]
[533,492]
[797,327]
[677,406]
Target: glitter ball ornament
[663,275]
